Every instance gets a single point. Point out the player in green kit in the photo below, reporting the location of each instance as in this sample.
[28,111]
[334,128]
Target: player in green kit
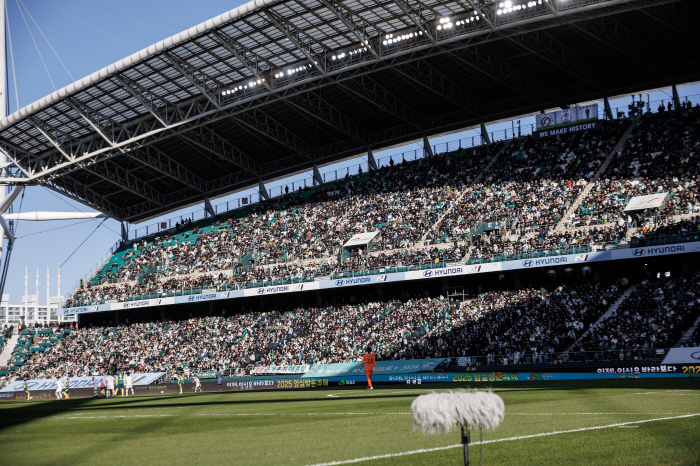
[66,390]
[180,382]
[120,382]
[26,391]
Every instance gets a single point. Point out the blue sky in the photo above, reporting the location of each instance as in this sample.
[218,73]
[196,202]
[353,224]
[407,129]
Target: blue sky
[82,51]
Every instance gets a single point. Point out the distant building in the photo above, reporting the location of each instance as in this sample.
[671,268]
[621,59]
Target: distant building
[29,312]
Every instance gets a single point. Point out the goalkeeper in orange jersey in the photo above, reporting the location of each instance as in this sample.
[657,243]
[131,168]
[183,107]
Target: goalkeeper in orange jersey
[369,363]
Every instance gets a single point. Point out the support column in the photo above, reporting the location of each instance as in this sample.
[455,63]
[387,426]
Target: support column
[116,318]
[125,232]
[676,99]
[207,206]
[262,190]
[484,134]
[427,149]
[48,294]
[317,175]
[371,161]
[608,110]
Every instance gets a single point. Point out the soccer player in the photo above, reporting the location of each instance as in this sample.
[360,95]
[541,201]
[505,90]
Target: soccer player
[110,385]
[219,378]
[129,380]
[197,384]
[59,388]
[369,364]
[95,390]
[180,382]
[26,390]
[120,383]
[66,390]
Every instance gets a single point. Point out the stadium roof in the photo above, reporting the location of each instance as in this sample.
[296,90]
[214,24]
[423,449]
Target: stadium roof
[275,87]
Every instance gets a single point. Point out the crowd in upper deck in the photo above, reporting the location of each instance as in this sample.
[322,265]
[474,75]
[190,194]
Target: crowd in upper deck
[527,186]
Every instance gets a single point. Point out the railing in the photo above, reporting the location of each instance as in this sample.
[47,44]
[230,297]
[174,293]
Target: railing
[389,269]
[664,239]
[643,356]
[509,256]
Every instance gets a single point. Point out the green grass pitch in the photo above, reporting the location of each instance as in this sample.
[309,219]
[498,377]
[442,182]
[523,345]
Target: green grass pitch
[620,422]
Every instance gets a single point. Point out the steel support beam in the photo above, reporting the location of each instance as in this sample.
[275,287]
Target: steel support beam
[262,123]
[198,79]
[207,206]
[250,60]
[350,20]
[427,148]
[294,36]
[312,105]
[207,139]
[484,134]
[370,91]
[418,20]
[317,175]
[262,190]
[370,160]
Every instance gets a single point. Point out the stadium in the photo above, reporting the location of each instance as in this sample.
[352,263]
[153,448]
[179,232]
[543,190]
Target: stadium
[282,295]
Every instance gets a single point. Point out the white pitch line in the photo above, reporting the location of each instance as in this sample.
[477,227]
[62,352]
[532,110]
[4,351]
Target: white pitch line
[223,414]
[83,416]
[520,437]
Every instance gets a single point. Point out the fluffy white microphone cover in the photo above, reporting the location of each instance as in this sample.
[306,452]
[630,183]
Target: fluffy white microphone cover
[441,412]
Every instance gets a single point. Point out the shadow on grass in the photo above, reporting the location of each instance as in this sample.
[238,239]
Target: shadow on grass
[17,412]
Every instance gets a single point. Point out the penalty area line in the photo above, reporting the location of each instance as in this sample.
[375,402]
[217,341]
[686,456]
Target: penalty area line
[520,437]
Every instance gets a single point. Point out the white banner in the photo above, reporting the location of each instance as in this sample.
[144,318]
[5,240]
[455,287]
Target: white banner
[77,382]
[360,239]
[683,356]
[650,201]
[287,369]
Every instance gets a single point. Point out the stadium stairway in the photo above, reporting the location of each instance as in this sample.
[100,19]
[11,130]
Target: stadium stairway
[486,169]
[685,336]
[613,308]
[9,348]
[577,202]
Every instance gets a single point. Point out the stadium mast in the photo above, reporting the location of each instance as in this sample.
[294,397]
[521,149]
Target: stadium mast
[7,197]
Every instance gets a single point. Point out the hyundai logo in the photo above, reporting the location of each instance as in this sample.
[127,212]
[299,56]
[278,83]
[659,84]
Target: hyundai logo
[339,283]
[527,263]
[695,355]
[261,290]
[638,252]
[428,273]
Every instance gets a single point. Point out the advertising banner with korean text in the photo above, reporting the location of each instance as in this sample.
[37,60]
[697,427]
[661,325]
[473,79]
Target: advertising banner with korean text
[383,367]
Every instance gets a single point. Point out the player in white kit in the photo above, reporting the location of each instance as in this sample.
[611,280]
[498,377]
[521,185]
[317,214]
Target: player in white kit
[129,382]
[59,388]
[110,385]
[197,384]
